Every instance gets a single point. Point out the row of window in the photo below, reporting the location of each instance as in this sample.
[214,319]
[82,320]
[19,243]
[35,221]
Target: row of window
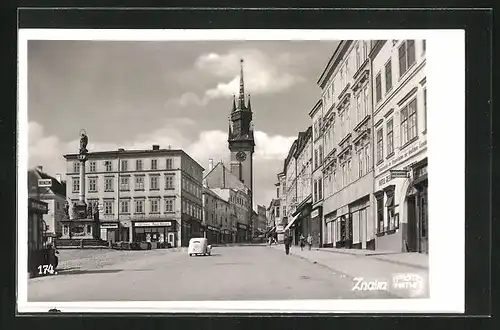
[335,180]
[361,55]
[109,186]
[191,209]
[124,165]
[408,128]
[191,187]
[138,206]
[406,57]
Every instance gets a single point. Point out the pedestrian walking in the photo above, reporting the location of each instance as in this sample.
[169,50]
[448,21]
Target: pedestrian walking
[302,242]
[310,241]
[287,244]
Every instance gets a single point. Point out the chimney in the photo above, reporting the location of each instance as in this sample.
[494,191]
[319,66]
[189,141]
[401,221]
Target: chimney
[39,168]
[156,147]
[210,164]
[59,177]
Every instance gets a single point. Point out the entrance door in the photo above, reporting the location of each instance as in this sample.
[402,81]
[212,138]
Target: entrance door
[412,225]
[171,239]
[104,234]
[423,221]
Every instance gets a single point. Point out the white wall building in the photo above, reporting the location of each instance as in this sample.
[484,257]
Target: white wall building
[400,141]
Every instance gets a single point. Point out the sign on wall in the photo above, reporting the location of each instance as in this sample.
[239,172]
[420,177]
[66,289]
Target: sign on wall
[45,183]
[399,174]
[315,213]
[109,225]
[153,224]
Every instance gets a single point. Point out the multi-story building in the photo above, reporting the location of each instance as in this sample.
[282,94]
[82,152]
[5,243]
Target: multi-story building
[43,187]
[300,211]
[348,182]
[239,202]
[281,210]
[290,183]
[261,224]
[318,146]
[144,195]
[217,217]
[400,141]
[222,181]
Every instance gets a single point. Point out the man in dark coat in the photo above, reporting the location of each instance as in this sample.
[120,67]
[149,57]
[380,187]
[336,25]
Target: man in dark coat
[288,242]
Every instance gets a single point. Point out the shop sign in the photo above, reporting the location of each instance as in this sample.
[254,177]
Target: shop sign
[153,224]
[45,183]
[315,213]
[35,205]
[399,174]
[109,225]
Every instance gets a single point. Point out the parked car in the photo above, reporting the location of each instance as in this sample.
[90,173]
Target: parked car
[199,246]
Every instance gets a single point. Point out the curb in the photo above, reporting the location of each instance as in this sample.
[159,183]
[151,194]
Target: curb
[350,277]
[376,256]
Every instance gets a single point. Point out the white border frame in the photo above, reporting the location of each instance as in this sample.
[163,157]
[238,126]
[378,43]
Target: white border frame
[446,87]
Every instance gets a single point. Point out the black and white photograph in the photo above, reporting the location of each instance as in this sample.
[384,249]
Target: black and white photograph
[239,170]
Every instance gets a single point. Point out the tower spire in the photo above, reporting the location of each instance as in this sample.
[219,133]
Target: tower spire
[241,101]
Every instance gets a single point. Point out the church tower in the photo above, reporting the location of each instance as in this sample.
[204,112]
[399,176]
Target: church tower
[241,138]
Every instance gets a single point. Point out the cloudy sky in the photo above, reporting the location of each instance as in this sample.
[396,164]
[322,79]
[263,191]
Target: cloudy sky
[135,94]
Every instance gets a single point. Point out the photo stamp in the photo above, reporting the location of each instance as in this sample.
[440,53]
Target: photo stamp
[238,171]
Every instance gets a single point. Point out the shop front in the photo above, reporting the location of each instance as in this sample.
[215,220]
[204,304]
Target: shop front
[241,232]
[109,231]
[402,209]
[160,231]
[212,234]
[417,237]
[316,226]
[361,224]
[36,210]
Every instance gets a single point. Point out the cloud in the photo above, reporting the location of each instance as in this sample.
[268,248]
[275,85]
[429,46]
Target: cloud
[48,150]
[263,74]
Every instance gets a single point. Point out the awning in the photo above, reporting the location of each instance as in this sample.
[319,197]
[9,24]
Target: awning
[291,222]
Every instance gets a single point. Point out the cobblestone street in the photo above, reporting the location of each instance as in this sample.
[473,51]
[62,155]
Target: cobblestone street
[231,273]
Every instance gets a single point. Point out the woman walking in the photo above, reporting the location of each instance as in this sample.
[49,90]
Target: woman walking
[309,241]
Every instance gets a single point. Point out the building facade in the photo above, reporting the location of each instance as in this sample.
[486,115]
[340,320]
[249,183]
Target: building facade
[143,195]
[348,171]
[318,145]
[400,140]
[281,210]
[43,187]
[217,218]
[300,192]
[222,181]
[261,224]
[240,211]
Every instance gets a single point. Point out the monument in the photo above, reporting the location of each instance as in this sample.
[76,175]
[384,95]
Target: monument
[82,218]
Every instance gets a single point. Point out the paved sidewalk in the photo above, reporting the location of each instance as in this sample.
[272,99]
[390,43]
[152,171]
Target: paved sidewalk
[367,266]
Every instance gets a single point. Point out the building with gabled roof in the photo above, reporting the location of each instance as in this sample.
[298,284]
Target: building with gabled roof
[52,192]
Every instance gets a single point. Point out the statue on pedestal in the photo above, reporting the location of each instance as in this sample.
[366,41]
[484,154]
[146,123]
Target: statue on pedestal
[66,208]
[83,142]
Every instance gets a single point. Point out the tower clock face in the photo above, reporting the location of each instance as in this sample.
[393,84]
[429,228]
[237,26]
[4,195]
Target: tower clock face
[241,156]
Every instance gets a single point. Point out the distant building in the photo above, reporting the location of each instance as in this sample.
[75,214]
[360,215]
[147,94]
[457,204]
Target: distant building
[223,182]
[144,195]
[299,177]
[53,192]
[261,224]
[217,217]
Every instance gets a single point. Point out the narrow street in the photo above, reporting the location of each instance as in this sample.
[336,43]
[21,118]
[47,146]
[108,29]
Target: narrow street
[231,273]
